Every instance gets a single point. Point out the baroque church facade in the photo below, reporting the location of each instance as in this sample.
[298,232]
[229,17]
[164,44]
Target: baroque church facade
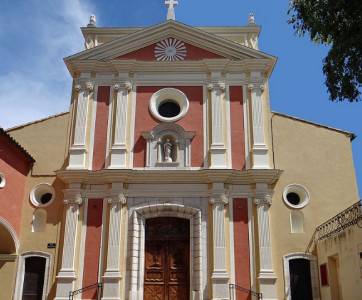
[169,177]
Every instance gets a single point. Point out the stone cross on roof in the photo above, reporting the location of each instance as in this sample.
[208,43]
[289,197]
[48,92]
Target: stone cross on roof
[171,11]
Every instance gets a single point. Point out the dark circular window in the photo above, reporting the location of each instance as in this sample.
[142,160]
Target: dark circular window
[45,198]
[169,109]
[293,198]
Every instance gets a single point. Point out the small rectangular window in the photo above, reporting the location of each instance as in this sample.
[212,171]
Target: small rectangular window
[324,274]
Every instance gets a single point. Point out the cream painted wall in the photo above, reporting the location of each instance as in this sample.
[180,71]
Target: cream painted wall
[347,245]
[7,279]
[46,140]
[319,159]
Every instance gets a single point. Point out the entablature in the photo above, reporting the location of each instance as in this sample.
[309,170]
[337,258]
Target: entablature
[206,176]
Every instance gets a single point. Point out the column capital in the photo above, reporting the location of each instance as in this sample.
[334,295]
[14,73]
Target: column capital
[123,85]
[120,198]
[252,86]
[219,199]
[84,85]
[266,200]
[73,199]
[219,85]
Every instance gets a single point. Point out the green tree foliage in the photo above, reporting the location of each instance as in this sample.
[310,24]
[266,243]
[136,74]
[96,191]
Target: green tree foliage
[337,23]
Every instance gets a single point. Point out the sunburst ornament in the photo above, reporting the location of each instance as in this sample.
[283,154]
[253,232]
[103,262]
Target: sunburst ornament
[170,50]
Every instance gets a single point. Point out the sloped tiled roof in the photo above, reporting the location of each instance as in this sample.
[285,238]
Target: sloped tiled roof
[16,144]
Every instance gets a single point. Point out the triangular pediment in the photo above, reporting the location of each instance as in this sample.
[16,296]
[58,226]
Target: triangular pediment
[201,45]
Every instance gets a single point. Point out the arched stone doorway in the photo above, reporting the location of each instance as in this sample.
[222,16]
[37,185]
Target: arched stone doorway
[137,250]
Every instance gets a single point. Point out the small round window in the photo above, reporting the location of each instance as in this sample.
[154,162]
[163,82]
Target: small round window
[296,196]
[169,109]
[42,195]
[2,180]
[169,105]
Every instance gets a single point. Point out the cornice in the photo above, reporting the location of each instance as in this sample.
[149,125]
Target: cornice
[76,67]
[105,176]
[148,36]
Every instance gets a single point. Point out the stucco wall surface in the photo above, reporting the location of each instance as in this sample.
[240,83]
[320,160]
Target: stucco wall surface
[346,245]
[320,159]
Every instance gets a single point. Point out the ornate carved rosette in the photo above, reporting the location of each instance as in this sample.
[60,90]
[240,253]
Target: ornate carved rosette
[170,50]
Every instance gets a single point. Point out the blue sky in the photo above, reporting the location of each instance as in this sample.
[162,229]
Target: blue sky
[35,36]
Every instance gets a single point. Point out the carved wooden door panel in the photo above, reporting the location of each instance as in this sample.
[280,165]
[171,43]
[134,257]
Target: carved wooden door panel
[167,259]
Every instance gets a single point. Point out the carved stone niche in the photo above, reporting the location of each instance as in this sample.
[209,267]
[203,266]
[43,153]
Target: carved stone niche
[168,145]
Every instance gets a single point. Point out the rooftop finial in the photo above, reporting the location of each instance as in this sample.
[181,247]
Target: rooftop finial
[251,20]
[171,11]
[92,21]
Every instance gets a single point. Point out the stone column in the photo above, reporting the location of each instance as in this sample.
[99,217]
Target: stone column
[78,149]
[112,277]
[220,277]
[266,276]
[260,151]
[119,148]
[67,276]
[217,148]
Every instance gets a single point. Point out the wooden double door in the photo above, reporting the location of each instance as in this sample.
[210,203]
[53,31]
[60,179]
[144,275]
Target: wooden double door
[167,259]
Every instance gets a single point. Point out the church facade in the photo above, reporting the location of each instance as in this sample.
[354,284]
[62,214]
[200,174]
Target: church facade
[170,178]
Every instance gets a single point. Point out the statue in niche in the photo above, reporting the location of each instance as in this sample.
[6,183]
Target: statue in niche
[167,147]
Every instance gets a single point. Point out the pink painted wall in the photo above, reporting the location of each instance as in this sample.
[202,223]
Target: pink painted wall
[237,127]
[193,121]
[92,246]
[148,53]
[241,244]
[15,166]
[101,125]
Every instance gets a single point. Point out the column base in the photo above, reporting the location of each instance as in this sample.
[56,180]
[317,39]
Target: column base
[77,156]
[260,157]
[111,285]
[220,285]
[267,282]
[118,157]
[218,157]
[65,284]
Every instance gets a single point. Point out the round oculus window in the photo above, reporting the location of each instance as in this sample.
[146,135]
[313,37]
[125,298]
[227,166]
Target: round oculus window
[42,195]
[296,196]
[2,180]
[169,109]
[169,105]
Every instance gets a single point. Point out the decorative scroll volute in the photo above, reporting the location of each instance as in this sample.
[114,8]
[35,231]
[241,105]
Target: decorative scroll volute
[219,199]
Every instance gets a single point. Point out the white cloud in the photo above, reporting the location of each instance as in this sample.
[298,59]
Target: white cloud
[37,84]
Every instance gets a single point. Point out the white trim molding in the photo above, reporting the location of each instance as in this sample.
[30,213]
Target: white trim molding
[12,233]
[313,273]
[112,276]
[138,216]
[18,295]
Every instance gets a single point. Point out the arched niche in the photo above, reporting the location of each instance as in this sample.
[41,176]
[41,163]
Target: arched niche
[9,240]
[168,145]
[296,222]
[39,220]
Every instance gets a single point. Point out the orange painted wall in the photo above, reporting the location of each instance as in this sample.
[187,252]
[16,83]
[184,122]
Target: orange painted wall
[237,127]
[193,121]
[241,244]
[101,125]
[148,53]
[92,246]
[14,165]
